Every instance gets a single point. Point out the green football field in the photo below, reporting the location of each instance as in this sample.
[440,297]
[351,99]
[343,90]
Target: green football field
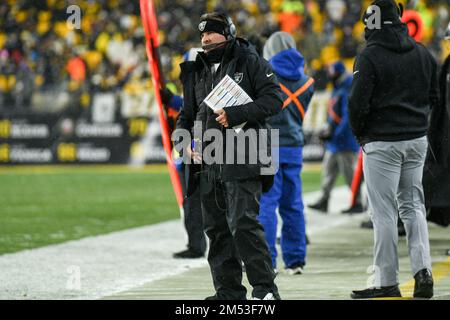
[45,205]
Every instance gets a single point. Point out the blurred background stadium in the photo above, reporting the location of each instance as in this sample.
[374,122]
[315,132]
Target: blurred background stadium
[85,96]
[74,97]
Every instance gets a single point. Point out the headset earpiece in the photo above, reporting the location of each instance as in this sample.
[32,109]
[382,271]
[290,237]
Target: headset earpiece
[231,32]
[232,28]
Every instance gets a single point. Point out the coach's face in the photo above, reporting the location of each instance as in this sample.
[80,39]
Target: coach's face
[210,37]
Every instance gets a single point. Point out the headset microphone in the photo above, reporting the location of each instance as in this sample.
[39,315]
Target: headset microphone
[213,46]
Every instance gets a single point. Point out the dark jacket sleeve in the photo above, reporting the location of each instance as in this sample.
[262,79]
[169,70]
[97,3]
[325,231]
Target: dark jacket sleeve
[364,80]
[434,87]
[268,97]
[186,116]
[184,121]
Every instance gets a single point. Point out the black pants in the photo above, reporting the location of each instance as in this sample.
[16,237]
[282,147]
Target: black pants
[193,221]
[229,218]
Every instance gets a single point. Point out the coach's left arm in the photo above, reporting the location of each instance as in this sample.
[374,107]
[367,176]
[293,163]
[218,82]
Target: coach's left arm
[267,91]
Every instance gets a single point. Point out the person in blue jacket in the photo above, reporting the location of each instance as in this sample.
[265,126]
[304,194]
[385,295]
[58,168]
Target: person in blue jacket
[286,192]
[340,143]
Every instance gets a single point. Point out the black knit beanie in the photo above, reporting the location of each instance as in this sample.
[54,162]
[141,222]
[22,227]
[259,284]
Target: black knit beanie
[210,25]
[390,11]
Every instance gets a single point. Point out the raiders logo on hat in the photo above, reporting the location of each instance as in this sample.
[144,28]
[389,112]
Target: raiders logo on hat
[202,25]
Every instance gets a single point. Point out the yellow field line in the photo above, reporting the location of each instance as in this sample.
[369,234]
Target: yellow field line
[441,270]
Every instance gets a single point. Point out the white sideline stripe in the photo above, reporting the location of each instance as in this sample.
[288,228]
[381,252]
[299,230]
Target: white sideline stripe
[118,261]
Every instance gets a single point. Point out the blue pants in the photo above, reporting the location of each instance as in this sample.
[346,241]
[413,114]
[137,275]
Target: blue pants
[286,194]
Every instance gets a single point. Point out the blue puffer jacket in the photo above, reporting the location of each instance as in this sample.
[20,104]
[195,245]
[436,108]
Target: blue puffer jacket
[288,66]
[342,138]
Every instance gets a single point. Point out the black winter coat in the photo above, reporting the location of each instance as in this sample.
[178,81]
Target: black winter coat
[395,84]
[255,76]
[436,174]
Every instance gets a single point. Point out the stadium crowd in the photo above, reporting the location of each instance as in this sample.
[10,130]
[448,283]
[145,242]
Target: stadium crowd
[42,57]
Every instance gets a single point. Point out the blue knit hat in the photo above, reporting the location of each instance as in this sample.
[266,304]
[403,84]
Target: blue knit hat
[338,67]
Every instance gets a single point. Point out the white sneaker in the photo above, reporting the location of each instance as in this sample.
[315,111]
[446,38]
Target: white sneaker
[268,296]
[294,270]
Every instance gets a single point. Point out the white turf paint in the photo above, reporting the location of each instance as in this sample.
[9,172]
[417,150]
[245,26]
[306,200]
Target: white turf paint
[119,261]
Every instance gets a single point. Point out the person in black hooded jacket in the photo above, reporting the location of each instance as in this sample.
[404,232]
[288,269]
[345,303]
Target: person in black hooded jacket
[230,192]
[436,174]
[394,88]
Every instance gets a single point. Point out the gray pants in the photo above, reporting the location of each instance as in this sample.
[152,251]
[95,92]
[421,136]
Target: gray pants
[334,163]
[393,174]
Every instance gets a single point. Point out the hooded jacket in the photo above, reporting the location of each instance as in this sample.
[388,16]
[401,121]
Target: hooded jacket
[255,76]
[288,65]
[394,87]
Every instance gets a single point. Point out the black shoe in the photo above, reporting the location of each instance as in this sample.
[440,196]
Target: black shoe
[357,208]
[187,254]
[423,288]
[321,205]
[367,224]
[383,292]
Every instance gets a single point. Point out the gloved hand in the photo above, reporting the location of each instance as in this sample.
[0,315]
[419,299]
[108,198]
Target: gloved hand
[166,95]
[326,134]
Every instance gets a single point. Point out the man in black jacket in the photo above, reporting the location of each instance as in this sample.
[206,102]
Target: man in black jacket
[230,192]
[394,87]
[436,174]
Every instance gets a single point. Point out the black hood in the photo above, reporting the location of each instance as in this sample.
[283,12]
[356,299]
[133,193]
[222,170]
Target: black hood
[392,37]
[242,47]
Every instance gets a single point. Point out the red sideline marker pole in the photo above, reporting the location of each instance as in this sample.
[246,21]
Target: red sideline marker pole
[357,179]
[150,24]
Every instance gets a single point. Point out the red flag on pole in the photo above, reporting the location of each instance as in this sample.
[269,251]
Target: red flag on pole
[357,179]
[150,24]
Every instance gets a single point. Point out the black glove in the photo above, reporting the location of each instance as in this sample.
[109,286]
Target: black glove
[166,95]
[325,134]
